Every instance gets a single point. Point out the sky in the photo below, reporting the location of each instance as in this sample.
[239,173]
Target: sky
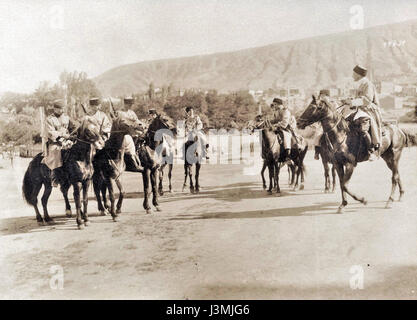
[41,38]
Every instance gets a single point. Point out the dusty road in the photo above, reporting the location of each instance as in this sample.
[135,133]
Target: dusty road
[231,241]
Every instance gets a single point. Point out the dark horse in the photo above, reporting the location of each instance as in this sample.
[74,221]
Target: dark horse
[346,149]
[272,153]
[109,163]
[153,153]
[77,170]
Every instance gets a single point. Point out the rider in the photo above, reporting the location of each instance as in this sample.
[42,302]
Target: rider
[324,95]
[57,130]
[281,118]
[193,123]
[369,113]
[100,116]
[131,158]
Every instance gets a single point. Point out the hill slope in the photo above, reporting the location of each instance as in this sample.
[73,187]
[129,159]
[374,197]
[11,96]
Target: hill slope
[306,63]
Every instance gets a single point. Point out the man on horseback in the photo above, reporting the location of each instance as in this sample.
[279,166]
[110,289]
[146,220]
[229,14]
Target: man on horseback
[281,121]
[194,125]
[57,130]
[368,116]
[324,95]
[100,116]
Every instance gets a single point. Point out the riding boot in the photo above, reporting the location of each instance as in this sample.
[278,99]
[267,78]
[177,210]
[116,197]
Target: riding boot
[317,153]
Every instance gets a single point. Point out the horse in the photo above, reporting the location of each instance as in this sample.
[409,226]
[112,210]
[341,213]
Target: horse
[77,170]
[109,163]
[154,154]
[345,147]
[193,153]
[160,137]
[296,169]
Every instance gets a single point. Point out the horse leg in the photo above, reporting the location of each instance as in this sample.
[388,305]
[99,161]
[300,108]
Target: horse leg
[34,200]
[161,179]
[392,164]
[170,166]
[190,175]
[185,176]
[276,178]
[197,176]
[97,186]
[262,175]
[154,191]
[86,186]
[271,177]
[45,197]
[326,175]
[109,183]
[334,178]
[121,196]
[341,173]
[348,175]
[77,199]
[64,189]
[146,180]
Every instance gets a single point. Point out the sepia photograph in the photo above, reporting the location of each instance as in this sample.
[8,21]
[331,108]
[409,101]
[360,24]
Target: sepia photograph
[208,150]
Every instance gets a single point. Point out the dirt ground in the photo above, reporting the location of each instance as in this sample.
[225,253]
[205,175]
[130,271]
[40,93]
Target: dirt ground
[230,241]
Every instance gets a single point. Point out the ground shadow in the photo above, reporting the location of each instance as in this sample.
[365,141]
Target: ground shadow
[317,209]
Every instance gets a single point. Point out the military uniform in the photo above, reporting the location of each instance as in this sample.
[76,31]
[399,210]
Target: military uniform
[101,118]
[57,130]
[194,125]
[281,120]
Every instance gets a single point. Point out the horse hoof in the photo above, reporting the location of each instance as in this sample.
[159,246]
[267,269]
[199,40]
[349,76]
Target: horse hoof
[104,213]
[115,218]
[50,221]
[41,223]
[86,223]
[68,213]
[148,211]
[118,211]
[264,187]
[364,201]
[80,227]
[158,208]
[302,187]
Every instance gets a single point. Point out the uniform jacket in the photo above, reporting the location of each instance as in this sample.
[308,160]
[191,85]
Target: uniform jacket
[367,91]
[281,118]
[56,127]
[102,118]
[193,123]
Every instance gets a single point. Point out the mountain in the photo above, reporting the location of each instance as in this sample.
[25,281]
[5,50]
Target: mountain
[390,51]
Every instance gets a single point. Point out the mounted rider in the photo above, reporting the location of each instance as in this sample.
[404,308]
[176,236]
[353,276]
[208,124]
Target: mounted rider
[57,128]
[131,158]
[194,126]
[368,116]
[324,95]
[102,118]
[283,123]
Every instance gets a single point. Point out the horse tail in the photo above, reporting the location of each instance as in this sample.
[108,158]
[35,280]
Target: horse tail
[28,185]
[410,138]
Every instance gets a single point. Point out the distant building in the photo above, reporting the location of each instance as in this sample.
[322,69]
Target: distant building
[385,87]
[390,102]
[410,91]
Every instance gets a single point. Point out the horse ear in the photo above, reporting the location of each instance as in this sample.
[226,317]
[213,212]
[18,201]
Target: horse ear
[314,98]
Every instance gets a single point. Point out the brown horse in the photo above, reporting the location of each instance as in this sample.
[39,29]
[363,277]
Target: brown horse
[346,149]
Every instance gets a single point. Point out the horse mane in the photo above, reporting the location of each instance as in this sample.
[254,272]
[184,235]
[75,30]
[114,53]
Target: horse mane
[342,124]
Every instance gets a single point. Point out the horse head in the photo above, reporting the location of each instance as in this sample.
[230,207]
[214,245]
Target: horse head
[89,131]
[127,122]
[316,111]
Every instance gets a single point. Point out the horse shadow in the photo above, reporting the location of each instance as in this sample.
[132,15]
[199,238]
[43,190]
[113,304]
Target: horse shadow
[317,209]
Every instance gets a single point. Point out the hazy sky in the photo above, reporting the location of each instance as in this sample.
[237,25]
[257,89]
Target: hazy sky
[41,38]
